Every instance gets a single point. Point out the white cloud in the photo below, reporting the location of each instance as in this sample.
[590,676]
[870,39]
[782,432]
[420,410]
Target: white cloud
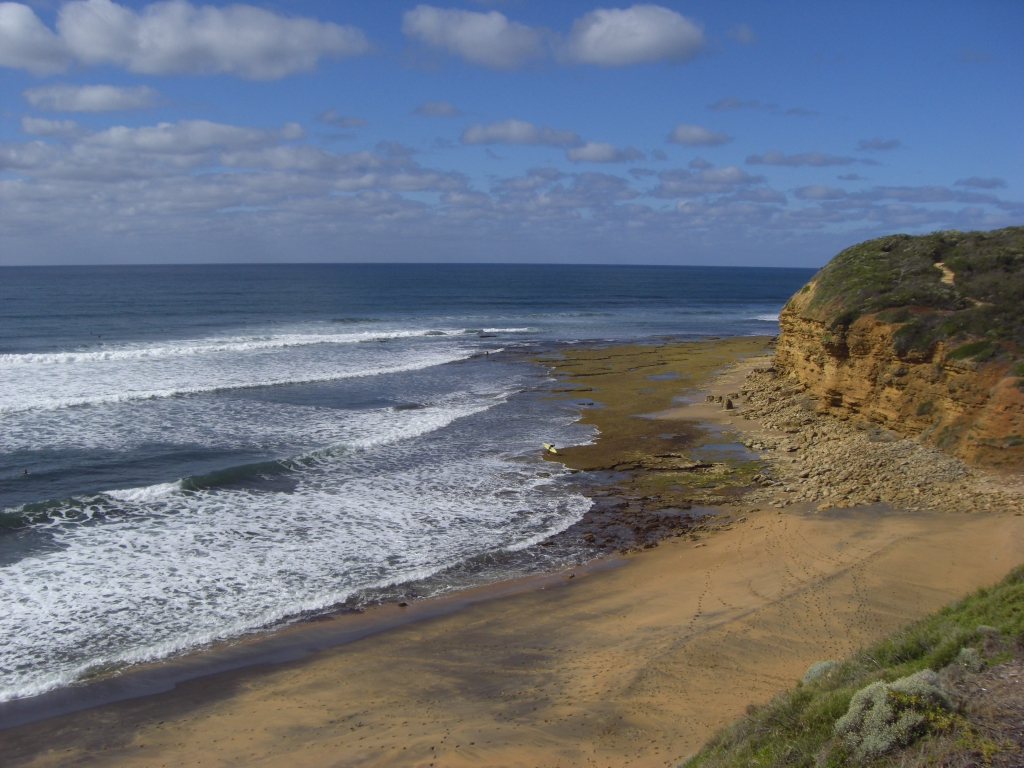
[708,181]
[980,183]
[636,35]
[190,136]
[173,37]
[517,132]
[26,43]
[761,195]
[61,97]
[599,152]
[819,159]
[820,192]
[742,33]
[695,135]
[37,126]
[927,194]
[331,117]
[731,102]
[878,144]
[482,38]
[730,174]
[437,109]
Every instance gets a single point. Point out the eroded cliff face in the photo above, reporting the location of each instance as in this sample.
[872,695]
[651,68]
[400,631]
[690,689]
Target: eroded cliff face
[973,410]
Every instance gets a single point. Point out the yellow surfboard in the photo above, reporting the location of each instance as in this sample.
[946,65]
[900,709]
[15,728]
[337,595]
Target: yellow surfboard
[549,448]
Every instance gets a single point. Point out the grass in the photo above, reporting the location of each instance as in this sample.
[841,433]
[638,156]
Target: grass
[897,278]
[798,727]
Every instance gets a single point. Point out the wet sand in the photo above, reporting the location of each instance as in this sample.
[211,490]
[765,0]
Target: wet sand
[631,665]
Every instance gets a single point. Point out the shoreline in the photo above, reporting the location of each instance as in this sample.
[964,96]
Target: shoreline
[294,640]
[289,644]
[654,589]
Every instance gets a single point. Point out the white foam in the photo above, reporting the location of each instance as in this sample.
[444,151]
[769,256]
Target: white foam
[768,318]
[373,496]
[187,347]
[146,494]
[200,347]
[176,570]
[38,391]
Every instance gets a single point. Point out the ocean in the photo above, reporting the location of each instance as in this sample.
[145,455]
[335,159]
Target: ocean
[192,453]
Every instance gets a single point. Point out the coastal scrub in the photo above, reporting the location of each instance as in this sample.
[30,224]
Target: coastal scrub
[944,285]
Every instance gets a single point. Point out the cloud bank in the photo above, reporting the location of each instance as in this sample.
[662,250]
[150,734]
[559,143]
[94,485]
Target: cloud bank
[818,159]
[172,37]
[90,98]
[600,152]
[223,191]
[437,109]
[697,136]
[517,132]
[609,37]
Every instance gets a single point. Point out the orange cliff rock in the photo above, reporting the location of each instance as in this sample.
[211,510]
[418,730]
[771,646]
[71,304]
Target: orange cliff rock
[974,410]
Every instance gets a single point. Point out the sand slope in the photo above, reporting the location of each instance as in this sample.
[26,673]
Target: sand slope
[636,665]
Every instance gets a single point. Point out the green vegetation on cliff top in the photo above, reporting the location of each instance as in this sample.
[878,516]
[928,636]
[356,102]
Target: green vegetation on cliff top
[897,277]
[799,726]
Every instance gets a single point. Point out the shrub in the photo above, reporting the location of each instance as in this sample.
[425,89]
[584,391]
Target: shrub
[979,350]
[917,335]
[817,669]
[925,408]
[970,659]
[884,716]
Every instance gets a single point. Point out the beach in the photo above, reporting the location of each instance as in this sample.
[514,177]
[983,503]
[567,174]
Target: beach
[634,665]
[634,660]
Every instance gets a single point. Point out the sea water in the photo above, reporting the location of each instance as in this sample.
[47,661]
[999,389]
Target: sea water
[192,453]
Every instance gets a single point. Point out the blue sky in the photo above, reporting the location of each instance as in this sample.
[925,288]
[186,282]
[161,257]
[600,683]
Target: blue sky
[679,132]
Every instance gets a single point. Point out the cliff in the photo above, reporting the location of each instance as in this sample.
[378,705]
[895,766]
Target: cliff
[922,335]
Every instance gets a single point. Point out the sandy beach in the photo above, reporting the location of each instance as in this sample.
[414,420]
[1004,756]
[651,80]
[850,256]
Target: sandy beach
[635,664]
[630,666]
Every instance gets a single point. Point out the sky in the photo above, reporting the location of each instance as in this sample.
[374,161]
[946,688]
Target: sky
[708,133]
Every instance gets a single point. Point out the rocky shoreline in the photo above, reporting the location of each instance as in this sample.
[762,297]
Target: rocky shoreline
[841,461]
[805,457]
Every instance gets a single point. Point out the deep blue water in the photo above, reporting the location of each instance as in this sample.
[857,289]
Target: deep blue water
[213,449]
